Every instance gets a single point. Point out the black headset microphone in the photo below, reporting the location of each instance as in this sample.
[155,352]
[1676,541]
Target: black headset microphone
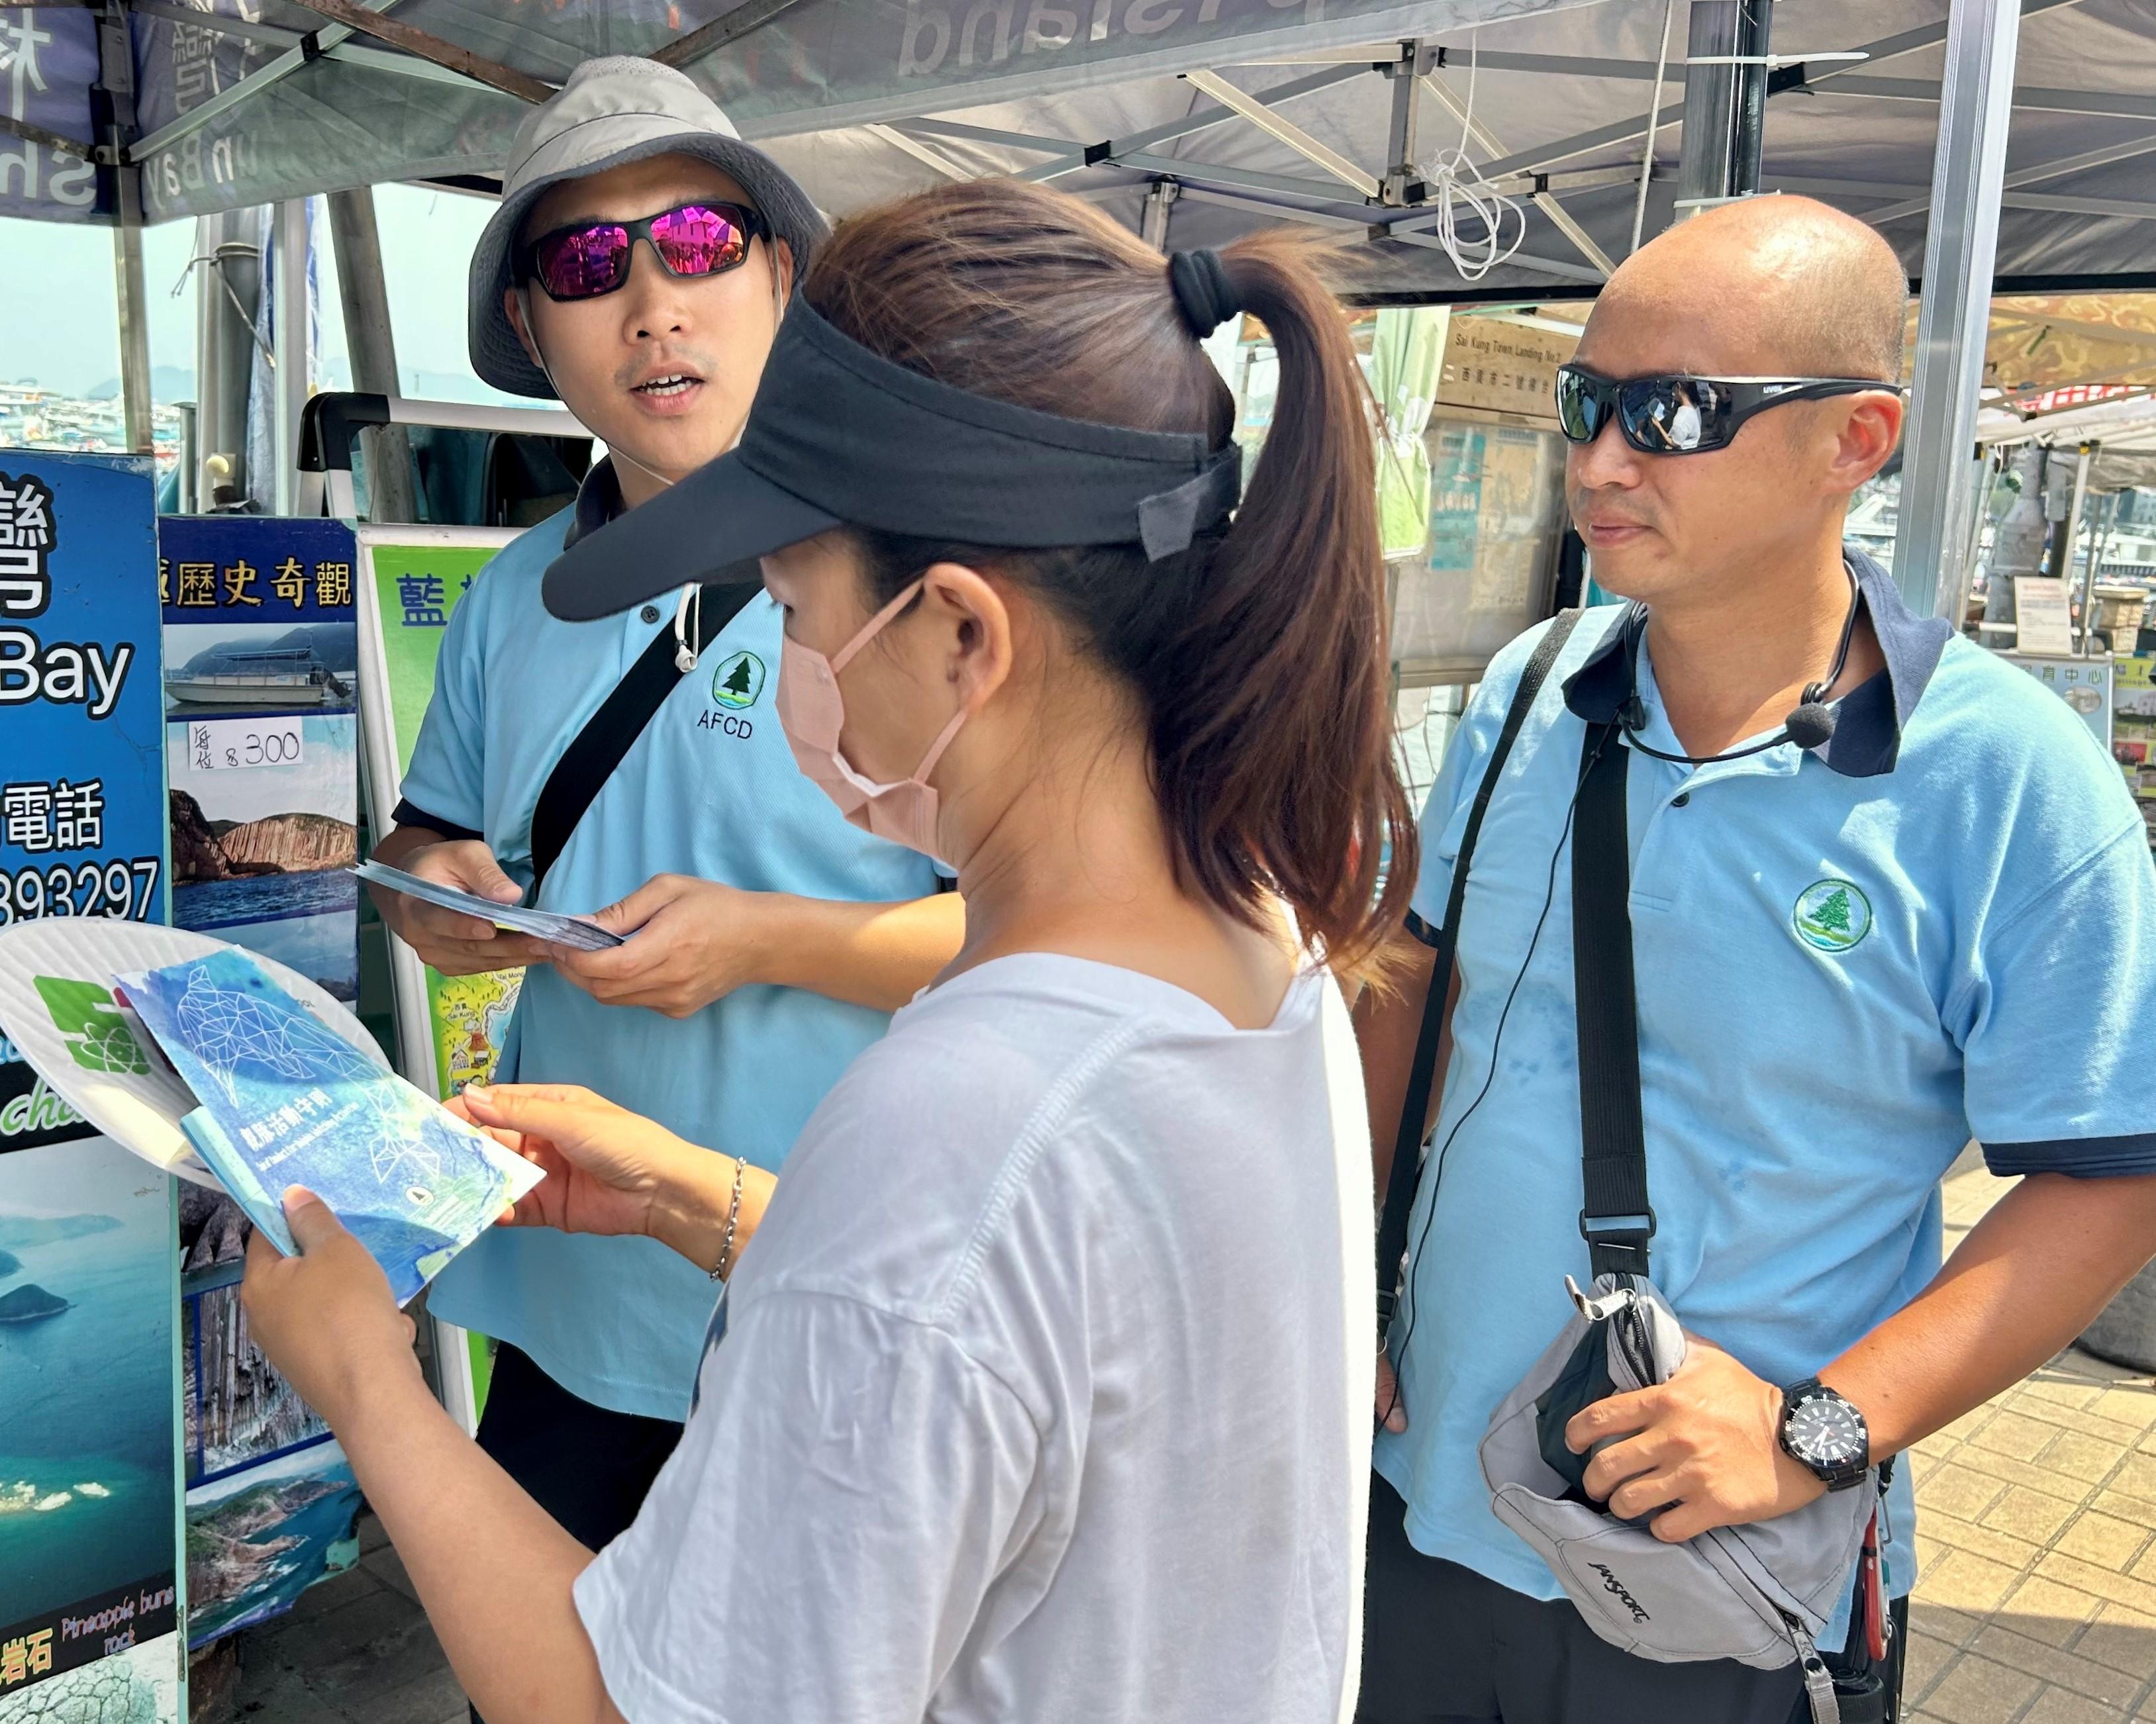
[1809,726]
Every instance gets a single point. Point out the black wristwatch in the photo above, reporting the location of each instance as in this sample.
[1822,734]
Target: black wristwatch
[1824,1433]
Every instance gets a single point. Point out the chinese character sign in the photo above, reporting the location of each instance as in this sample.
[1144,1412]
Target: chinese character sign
[261,704]
[47,61]
[89,1462]
[413,590]
[82,794]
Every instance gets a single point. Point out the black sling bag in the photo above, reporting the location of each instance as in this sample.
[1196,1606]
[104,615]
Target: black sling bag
[1407,1142]
[607,735]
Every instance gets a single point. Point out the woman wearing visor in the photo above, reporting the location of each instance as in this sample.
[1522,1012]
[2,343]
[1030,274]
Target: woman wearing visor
[1043,1390]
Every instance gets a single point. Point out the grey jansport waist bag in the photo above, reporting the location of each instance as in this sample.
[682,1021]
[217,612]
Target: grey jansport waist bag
[1758,1593]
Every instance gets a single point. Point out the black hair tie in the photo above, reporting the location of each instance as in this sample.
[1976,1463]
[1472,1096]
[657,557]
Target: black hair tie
[1202,292]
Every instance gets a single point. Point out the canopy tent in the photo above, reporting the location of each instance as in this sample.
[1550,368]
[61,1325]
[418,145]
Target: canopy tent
[2120,433]
[1241,111]
[2028,121]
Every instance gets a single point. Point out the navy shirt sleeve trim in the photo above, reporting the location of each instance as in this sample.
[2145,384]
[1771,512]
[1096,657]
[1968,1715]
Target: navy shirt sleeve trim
[2082,1157]
[407,814]
[1422,931]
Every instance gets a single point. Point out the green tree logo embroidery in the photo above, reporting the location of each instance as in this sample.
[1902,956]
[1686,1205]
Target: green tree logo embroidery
[739,682]
[96,1034]
[1832,915]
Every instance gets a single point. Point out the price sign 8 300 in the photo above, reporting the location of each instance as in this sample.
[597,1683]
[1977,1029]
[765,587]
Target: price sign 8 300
[55,824]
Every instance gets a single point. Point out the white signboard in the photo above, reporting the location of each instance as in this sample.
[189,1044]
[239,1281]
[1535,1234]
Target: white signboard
[227,745]
[2041,615]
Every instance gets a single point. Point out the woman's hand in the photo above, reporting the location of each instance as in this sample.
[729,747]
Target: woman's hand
[607,1169]
[326,1317]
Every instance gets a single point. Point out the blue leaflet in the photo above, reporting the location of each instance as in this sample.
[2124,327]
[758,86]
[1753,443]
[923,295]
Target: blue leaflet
[286,1101]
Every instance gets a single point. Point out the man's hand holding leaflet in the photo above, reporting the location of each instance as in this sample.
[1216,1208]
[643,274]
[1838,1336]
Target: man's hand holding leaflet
[575,932]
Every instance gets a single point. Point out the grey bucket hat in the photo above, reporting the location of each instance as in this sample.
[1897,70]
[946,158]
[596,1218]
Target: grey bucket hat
[612,110]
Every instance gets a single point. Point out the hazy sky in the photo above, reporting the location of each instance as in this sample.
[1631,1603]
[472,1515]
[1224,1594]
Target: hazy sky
[66,337]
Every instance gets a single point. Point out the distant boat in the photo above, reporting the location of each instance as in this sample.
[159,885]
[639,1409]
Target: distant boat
[258,676]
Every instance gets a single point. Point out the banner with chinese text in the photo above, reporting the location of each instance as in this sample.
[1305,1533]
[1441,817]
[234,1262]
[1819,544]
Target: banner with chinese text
[262,736]
[90,1495]
[450,1028]
[262,749]
[82,790]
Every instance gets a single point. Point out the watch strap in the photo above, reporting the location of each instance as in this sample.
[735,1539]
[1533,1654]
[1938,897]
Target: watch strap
[1835,1478]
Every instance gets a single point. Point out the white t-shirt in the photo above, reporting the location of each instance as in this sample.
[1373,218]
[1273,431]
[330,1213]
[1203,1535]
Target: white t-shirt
[1046,1389]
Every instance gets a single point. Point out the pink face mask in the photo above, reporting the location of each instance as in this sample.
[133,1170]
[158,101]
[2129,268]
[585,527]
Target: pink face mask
[811,713]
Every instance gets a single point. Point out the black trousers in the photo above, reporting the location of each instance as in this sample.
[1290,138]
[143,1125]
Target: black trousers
[1442,1644]
[587,1467]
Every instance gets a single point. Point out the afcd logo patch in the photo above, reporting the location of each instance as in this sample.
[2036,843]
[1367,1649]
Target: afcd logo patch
[738,682]
[1831,914]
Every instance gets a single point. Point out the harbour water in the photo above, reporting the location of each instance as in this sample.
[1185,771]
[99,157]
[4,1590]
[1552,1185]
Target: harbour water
[87,1395]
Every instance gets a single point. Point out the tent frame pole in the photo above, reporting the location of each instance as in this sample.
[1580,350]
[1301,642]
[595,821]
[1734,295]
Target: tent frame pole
[363,288]
[116,80]
[288,324]
[1961,248]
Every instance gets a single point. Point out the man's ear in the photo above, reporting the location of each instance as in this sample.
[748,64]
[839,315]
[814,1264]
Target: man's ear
[517,306]
[782,264]
[1869,433]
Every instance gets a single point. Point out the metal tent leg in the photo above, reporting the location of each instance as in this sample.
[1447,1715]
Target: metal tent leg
[134,315]
[288,313]
[364,291]
[1961,245]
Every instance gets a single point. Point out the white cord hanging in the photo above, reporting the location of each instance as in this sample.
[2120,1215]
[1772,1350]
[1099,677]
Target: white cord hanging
[1460,195]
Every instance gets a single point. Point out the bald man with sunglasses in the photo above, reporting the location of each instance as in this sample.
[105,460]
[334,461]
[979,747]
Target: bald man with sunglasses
[1885,895]
[637,269]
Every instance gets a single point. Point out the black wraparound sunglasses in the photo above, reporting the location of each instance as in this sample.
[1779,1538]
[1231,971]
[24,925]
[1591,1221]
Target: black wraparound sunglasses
[585,260]
[1684,415]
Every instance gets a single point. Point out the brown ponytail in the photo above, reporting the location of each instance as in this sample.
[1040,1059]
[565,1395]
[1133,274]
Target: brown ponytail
[1259,655]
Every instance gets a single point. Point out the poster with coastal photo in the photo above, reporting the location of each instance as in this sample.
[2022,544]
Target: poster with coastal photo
[89,1490]
[262,841]
[258,1539]
[261,697]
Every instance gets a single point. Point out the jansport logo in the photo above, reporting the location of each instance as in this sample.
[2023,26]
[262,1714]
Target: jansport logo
[738,682]
[1615,1588]
[1831,914]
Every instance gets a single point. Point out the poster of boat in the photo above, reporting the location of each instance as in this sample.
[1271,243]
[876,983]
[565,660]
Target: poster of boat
[262,736]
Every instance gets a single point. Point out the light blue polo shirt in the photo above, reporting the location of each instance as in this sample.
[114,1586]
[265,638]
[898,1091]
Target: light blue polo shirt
[710,789]
[1940,927]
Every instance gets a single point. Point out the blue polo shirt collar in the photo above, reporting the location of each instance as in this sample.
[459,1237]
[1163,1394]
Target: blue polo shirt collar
[598,500]
[1869,721]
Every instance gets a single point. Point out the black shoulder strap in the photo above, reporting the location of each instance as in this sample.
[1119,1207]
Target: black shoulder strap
[589,761]
[1615,1218]
[1407,1143]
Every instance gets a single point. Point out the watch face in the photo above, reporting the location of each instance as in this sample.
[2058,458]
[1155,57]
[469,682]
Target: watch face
[1823,1431]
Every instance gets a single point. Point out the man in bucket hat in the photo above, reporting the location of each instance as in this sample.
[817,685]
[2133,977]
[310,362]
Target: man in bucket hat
[637,269]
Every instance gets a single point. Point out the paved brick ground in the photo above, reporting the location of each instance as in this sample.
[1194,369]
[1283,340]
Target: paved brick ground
[355,1649]
[2036,1603]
